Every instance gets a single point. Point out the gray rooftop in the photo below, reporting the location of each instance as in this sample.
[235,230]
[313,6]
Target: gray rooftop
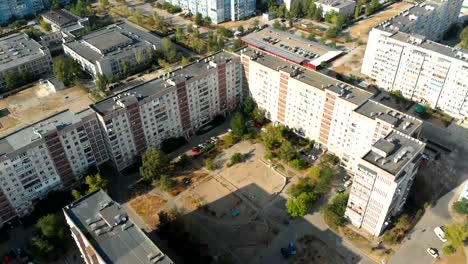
[110,41]
[61,17]
[400,149]
[29,134]
[336,3]
[313,78]
[290,47]
[160,85]
[111,232]
[400,121]
[17,49]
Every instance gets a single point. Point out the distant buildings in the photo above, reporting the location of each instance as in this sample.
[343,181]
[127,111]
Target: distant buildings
[16,9]
[341,7]
[219,11]
[22,57]
[105,234]
[401,56]
[116,50]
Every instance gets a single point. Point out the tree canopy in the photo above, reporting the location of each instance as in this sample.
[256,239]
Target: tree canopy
[464,38]
[300,205]
[456,234]
[155,164]
[238,125]
[461,207]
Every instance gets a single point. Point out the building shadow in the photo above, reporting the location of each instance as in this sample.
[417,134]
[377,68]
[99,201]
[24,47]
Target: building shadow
[223,224]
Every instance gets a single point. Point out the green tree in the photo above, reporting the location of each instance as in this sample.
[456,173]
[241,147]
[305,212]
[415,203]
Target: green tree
[209,163]
[199,19]
[96,182]
[238,125]
[184,61]
[138,16]
[248,106]
[277,25]
[101,82]
[81,9]
[464,38]
[166,183]
[44,25]
[330,159]
[169,50]
[237,43]
[303,184]
[299,206]
[125,65]
[154,164]
[10,81]
[314,173]
[179,34]
[207,21]
[456,234]
[357,11]
[51,226]
[42,246]
[311,37]
[448,250]
[286,151]
[461,207]
[76,194]
[235,158]
[272,137]
[258,115]
[333,213]
[240,29]
[332,32]
[66,70]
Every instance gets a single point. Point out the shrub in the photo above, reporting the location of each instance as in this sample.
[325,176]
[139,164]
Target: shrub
[209,164]
[448,250]
[461,207]
[235,158]
[333,213]
[166,183]
[298,164]
[269,156]
[330,159]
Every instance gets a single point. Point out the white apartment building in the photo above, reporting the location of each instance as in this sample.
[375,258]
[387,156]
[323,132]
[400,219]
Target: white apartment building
[219,11]
[174,105]
[341,117]
[424,71]
[50,154]
[116,50]
[341,7]
[21,54]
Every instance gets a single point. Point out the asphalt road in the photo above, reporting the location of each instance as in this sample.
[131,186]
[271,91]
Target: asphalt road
[413,248]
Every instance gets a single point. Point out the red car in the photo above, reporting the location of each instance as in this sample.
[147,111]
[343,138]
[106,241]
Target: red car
[195,150]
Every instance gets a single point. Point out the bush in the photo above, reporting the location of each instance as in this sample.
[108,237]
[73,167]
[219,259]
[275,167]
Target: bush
[269,156]
[461,207]
[304,185]
[235,158]
[333,213]
[330,159]
[448,250]
[298,164]
[300,205]
[209,164]
[166,183]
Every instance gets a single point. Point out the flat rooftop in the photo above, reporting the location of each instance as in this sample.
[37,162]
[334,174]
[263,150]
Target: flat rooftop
[423,43]
[401,122]
[336,3]
[313,78]
[112,40]
[17,49]
[29,134]
[160,84]
[394,152]
[61,17]
[291,47]
[111,232]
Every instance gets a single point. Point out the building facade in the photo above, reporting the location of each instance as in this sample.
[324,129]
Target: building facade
[20,55]
[341,7]
[116,50]
[51,154]
[105,234]
[219,10]
[172,106]
[343,118]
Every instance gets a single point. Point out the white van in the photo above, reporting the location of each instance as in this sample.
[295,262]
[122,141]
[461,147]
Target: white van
[440,233]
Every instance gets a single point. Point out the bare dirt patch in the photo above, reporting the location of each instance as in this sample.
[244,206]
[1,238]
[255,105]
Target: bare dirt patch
[36,103]
[146,207]
[313,250]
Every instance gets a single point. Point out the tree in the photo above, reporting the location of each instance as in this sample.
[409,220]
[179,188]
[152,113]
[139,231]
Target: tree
[240,29]
[464,38]
[76,194]
[357,11]
[332,32]
[96,182]
[235,158]
[166,183]
[299,206]
[81,9]
[125,65]
[333,213]
[66,70]
[101,82]
[51,226]
[154,164]
[199,19]
[237,43]
[169,50]
[209,164]
[286,151]
[272,136]
[276,25]
[258,115]
[448,250]
[184,61]
[456,234]
[248,106]
[238,125]
[311,37]
[179,34]
[314,173]
[10,81]
[207,21]
[461,207]
[330,159]
[44,25]
[104,3]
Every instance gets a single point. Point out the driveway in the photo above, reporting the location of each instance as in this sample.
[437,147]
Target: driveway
[413,248]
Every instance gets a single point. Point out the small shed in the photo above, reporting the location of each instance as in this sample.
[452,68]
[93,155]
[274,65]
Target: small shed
[54,84]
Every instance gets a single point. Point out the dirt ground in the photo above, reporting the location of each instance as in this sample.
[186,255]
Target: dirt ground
[146,205]
[312,250]
[36,103]
[350,64]
[362,28]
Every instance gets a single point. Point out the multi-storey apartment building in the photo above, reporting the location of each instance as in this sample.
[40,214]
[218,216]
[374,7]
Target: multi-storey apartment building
[19,55]
[116,50]
[382,181]
[401,56]
[343,118]
[174,105]
[105,234]
[50,154]
[15,9]
[219,11]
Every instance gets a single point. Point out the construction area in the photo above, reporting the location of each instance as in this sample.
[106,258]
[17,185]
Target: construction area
[36,103]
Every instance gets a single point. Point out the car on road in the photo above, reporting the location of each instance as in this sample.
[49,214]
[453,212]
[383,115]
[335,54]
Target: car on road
[195,150]
[440,233]
[433,252]
[341,189]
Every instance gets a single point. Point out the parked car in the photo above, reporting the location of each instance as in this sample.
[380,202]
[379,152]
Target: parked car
[289,250]
[440,233]
[347,183]
[285,252]
[195,150]
[433,252]
[341,189]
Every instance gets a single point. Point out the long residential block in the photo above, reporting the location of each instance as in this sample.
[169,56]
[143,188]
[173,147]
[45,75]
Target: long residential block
[346,121]
[401,56]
